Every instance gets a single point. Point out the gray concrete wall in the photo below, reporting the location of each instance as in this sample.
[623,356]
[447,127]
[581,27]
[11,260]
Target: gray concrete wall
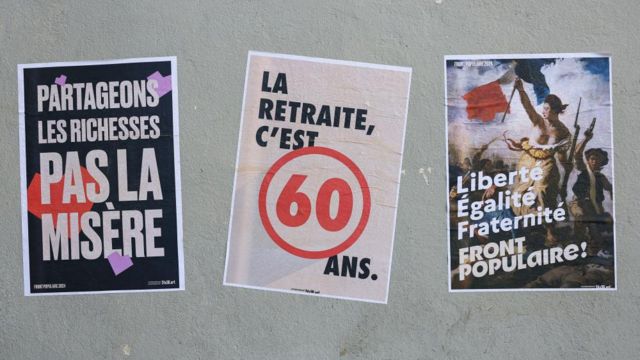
[422,320]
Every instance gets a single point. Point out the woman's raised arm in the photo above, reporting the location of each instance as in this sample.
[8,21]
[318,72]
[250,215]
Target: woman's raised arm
[526,103]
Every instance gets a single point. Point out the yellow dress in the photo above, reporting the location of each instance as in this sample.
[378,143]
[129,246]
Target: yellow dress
[546,188]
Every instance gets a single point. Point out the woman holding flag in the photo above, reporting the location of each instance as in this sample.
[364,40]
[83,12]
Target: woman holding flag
[548,142]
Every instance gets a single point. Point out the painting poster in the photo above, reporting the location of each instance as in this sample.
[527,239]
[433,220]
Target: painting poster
[530,172]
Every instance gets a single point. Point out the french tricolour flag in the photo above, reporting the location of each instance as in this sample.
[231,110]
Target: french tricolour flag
[486,101]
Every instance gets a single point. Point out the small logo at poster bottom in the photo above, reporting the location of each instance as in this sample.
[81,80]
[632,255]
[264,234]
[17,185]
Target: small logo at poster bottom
[49,286]
[161,282]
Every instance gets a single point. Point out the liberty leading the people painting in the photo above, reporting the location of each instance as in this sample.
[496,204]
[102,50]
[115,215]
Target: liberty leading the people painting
[530,172]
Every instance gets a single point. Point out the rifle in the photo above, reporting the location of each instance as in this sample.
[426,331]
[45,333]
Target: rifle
[574,141]
[593,125]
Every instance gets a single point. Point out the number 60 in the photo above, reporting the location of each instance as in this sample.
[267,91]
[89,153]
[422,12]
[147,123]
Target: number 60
[290,195]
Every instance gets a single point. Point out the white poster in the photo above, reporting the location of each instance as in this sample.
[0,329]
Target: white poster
[317,177]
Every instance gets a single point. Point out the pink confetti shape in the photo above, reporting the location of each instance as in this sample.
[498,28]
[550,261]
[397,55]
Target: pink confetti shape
[119,263]
[61,80]
[164,82]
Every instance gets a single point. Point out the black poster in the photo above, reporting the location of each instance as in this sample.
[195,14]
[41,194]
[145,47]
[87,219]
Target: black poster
[100,176]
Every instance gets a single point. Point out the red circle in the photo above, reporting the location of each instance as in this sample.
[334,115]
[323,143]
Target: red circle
[364,217]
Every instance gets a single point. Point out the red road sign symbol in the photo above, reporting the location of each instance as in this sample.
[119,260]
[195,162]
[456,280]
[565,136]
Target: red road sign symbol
[303,203]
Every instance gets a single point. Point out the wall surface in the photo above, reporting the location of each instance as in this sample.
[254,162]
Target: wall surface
[422,320]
